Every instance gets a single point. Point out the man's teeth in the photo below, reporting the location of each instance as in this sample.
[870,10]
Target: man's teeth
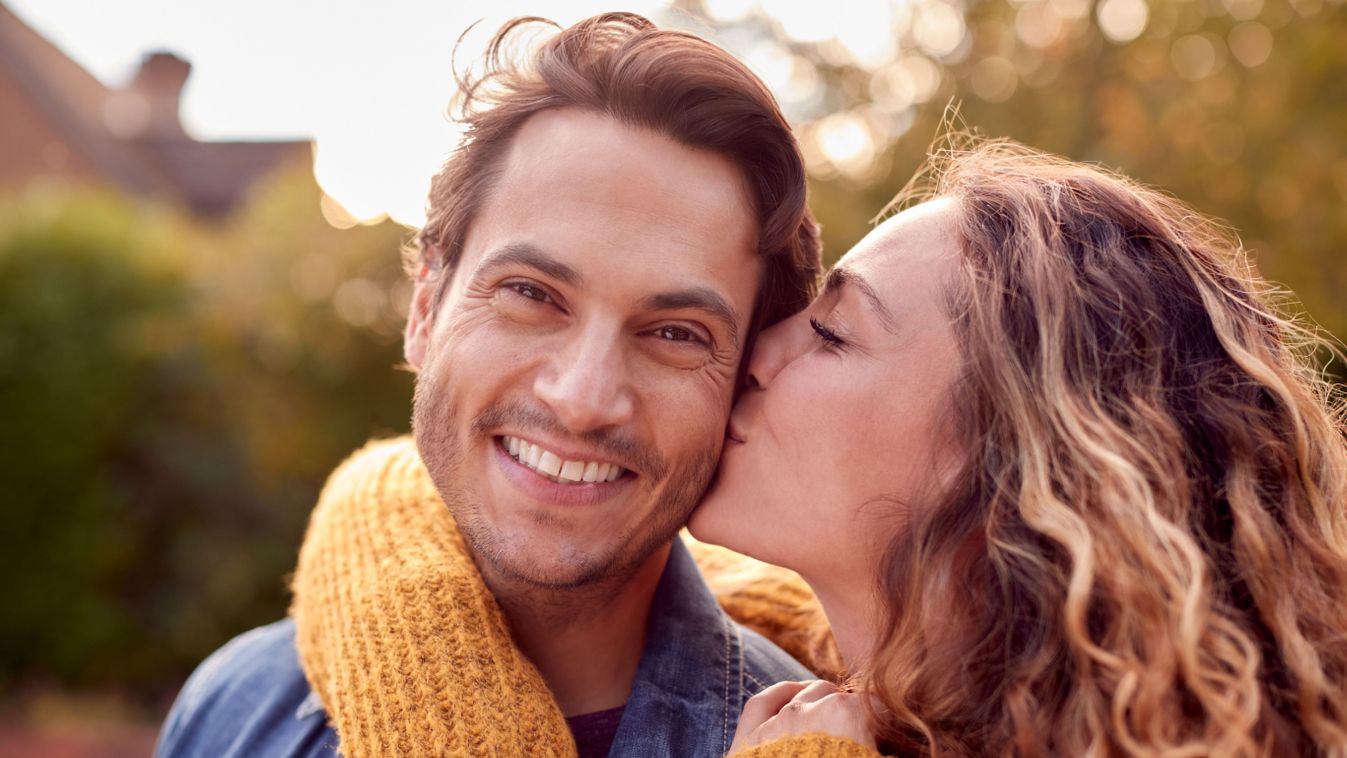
[550,465]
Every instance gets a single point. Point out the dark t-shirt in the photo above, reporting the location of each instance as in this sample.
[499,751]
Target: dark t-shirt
[594,732]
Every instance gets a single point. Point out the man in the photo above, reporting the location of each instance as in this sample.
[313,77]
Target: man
[626,212]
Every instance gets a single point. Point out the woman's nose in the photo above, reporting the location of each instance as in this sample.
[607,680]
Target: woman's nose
[775,349]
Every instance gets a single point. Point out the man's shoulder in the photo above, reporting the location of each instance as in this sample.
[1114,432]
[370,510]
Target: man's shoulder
[249,697]
[776,604]
[378,463]
[765,663]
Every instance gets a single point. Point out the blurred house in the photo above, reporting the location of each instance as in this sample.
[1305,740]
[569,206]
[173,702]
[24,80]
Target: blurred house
[57,119]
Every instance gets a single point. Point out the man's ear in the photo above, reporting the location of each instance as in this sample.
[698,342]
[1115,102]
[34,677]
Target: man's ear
[420,318]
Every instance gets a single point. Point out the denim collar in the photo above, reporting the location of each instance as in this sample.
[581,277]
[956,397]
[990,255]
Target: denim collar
[689,685]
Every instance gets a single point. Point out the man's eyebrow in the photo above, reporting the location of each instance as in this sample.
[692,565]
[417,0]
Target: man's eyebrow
[522,253]
[840,277]
[700,298]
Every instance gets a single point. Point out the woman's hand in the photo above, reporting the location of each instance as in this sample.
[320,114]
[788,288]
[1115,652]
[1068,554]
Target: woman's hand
[793,708]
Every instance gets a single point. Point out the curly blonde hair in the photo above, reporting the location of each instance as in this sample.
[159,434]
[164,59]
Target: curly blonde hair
[1146,553]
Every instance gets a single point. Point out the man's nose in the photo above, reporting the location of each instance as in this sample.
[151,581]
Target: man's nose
[586,384]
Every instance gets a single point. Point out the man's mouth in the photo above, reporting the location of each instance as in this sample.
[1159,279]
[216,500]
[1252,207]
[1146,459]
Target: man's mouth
[552,466]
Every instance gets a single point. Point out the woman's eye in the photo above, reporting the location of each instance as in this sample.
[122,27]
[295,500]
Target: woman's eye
[826,334]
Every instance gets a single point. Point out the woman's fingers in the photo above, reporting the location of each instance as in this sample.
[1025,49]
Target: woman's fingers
[798,707]
[817,690]
[762,707]
[814,708]
[765,704]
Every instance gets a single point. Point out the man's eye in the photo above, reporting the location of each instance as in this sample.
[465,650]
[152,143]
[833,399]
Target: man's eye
[530,291]
[676,334]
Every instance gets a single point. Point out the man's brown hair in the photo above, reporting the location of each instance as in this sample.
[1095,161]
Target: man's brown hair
[670,82]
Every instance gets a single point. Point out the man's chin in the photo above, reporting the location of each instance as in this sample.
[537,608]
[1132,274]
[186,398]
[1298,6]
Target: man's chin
[540,561]
[558,574]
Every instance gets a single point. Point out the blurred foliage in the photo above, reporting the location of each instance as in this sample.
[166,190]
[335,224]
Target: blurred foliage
[174,394]
[1238,107]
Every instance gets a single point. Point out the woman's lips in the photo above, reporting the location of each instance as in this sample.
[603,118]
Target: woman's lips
[733,434]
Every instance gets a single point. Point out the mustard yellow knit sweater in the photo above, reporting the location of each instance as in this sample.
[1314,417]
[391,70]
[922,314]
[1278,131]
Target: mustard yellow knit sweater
[411,655]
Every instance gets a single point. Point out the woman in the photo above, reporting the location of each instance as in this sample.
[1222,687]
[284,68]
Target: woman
[1063,477]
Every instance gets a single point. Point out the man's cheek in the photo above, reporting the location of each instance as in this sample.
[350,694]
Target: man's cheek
[717,382]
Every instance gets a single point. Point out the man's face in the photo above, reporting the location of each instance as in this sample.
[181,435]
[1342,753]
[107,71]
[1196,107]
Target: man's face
[592,331]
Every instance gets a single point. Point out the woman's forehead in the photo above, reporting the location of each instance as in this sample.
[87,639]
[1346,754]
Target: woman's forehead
[918,236]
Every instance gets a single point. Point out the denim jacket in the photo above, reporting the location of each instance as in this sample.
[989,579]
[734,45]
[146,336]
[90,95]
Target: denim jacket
[699,667]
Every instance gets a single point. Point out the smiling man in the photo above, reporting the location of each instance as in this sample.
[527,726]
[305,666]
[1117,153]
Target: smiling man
[593,323]
[627,211]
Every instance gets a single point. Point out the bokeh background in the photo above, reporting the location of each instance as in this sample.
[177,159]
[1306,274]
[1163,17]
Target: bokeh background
[200,218]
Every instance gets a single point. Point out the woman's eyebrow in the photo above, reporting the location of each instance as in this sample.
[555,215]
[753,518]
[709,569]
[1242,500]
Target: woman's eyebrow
[840,277]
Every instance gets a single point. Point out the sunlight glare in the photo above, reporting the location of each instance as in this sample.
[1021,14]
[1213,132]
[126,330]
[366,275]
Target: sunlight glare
[925,74]
[845,140]
[1123,20]
[1038,24]
[803,21]
[728,11]
[772,63]
[866,30]
[938,29]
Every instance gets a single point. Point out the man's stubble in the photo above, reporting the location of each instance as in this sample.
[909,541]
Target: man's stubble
[435,425]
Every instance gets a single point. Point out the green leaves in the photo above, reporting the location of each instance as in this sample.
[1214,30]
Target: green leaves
[171,407]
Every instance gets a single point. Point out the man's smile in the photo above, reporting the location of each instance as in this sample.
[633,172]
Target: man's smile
[560,467]
[534,481]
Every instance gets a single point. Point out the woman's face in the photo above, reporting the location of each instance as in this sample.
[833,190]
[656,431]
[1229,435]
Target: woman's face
[844,432]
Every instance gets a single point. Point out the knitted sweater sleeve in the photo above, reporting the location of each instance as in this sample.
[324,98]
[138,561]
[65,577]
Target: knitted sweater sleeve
[814,745]
[396,631]
[409,652]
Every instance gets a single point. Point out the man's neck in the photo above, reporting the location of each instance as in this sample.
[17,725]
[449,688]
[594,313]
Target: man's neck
[586,642]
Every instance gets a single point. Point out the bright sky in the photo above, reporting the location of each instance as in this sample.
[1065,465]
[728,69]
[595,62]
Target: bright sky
[369,81]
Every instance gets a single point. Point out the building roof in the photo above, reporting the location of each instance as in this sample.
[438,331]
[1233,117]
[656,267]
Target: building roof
[131,137]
